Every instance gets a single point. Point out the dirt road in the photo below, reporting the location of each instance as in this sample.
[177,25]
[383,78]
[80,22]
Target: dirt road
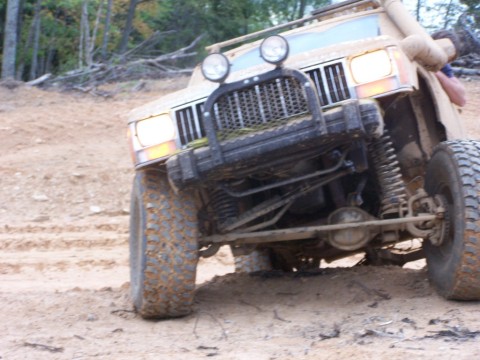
[65,183]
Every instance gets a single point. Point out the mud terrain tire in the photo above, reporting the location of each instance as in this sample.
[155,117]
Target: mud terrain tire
[257,260]
[163,247]
[454,173]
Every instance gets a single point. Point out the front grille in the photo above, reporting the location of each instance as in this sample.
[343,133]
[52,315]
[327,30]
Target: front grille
[260,107]
[264,105]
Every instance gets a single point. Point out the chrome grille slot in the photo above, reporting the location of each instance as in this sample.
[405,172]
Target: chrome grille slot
[318,80]
[259,107]
[190,123]
[331,83]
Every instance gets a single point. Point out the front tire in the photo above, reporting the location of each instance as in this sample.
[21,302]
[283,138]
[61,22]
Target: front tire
[257,260]
[454,174]
[163,247]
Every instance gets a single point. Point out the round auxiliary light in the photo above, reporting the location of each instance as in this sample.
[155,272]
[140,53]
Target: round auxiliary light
[215,67]
[274,49]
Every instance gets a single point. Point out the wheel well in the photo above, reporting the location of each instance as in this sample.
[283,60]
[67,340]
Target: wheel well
[414,126]
[430,110]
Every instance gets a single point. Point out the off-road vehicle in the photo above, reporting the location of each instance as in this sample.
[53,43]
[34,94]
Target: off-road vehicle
[306,142]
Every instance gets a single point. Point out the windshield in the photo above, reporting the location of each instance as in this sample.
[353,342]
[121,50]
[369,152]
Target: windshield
[357,29]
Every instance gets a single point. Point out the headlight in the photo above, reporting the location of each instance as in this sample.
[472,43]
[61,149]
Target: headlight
[370,67]
[155,130]
[215,67]
[274,49]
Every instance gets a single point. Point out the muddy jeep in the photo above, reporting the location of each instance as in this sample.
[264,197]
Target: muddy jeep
[306,142]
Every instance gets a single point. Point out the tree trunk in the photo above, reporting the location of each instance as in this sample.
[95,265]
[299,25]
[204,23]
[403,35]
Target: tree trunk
[50,57]
[293,13]
[20,50]
[301,9]
[86,35]
[53,43]
[106,30]
[446,19]
[419,7]
[81,42]
[128,27]
[11,40]
[28,44]
[41,64]
[93,38]
[36,40]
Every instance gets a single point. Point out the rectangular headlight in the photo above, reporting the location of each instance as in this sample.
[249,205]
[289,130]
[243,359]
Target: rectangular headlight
[155,130]
[371,66]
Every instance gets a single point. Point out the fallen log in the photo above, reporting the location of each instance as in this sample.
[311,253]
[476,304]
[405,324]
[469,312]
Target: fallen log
[464,71]
[40,80]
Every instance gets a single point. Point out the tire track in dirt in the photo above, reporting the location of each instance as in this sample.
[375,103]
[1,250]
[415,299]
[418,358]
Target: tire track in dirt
[86,255]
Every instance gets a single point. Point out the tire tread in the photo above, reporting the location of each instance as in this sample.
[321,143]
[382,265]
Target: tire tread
[466,277]
[170,250]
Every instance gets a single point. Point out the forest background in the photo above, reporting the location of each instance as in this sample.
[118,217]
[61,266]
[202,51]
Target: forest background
[72,37]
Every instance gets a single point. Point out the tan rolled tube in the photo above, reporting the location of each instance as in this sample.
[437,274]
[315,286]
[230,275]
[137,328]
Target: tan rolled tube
[418,44]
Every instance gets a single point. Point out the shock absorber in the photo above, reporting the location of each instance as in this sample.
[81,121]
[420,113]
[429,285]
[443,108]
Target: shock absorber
[392,187]
[224,205]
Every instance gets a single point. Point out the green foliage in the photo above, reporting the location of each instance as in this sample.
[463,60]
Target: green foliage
[175,24]
[178,22]
[219,19]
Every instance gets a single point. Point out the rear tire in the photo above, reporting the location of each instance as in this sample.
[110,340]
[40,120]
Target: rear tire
[257,260]
[163,247]
[454,266]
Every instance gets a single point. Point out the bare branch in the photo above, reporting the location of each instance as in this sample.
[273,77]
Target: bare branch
[100,73]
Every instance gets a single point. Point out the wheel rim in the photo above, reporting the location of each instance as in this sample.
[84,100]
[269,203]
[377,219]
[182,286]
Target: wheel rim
[444,250]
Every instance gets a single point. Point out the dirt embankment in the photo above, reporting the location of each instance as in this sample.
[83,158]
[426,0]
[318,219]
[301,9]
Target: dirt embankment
[65,183]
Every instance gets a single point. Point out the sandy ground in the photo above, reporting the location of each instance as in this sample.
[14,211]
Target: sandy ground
[64,190]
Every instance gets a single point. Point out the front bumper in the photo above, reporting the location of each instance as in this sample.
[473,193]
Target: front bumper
[304,136]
